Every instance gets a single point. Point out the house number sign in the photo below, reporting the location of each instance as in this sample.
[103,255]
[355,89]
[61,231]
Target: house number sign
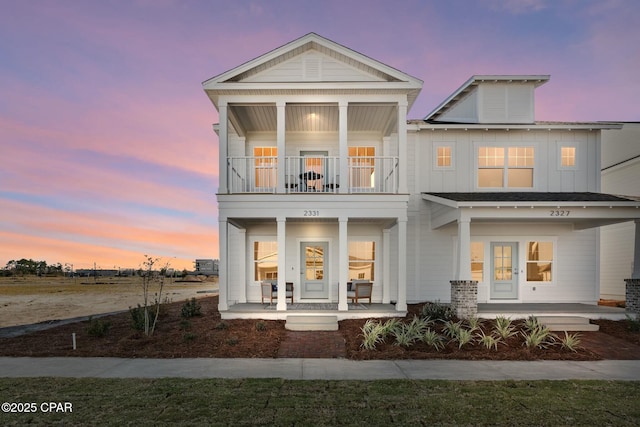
[311,212]
[559,213]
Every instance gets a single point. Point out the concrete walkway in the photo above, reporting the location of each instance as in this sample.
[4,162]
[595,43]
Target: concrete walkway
[317,369]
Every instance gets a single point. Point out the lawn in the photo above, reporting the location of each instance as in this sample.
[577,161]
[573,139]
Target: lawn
[282,402]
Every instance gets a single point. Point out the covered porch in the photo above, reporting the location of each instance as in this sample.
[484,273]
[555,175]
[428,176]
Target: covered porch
[316,253]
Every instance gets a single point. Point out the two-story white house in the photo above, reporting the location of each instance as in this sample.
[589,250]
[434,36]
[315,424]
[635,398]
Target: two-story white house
[324,181]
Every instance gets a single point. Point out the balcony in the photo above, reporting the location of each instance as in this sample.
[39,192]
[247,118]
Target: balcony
[305,174]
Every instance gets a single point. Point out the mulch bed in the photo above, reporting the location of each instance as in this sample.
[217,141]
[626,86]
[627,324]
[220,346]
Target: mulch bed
[209,336]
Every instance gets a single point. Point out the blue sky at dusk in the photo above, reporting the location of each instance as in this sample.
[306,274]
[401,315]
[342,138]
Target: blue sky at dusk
[106,137]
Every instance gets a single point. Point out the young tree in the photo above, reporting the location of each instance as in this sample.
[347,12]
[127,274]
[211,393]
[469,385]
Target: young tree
[152,279]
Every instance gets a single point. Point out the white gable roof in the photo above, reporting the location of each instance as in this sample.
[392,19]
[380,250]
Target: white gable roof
[312,62]
[465,106]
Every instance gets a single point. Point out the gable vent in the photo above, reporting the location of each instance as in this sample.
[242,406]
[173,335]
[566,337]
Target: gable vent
[311,67]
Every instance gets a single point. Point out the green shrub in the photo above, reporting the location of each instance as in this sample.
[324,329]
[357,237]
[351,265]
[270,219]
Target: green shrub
[488,340]
[137,316]
[98,328]
[570,341]
[463,337]
[474,323]
[531,323]
[633,324]
[188,336]
[503,327]
[433,339]
[233,341]
[452,329]
[261,326]
[540,337]
[437,311]
[221,326]
[191,308]
[373,333]
[185,325]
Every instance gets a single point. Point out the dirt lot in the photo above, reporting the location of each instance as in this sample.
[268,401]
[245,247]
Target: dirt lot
[26,300]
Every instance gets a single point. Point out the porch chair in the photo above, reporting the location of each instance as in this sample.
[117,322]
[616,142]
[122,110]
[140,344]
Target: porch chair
[270,291]
[360,290]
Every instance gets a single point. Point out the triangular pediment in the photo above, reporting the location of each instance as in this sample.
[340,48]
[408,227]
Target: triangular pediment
[312,62]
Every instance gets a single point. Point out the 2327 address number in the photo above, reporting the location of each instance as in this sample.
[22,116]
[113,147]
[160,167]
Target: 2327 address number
[559,213]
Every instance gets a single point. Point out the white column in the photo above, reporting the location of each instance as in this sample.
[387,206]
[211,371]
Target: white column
[402,147]
[343,142]
[401,304]
[282,264]
[223,142]
[386,266]
[343,264]
[636,253]
[242,255]
[223,281]
[463,262]
[280,135]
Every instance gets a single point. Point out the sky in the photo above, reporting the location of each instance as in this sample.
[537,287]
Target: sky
[107,152]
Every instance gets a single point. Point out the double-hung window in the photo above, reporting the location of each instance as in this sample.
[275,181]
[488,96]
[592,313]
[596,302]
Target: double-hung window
[510,167]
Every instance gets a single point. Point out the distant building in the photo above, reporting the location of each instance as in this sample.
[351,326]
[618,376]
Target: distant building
[207,267]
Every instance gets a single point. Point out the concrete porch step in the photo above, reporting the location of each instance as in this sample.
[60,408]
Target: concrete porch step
[311,323]
[567,323]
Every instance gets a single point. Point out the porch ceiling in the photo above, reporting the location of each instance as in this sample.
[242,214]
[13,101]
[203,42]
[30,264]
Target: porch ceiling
[380,118]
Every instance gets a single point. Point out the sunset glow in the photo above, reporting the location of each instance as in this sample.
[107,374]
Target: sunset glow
[106,140]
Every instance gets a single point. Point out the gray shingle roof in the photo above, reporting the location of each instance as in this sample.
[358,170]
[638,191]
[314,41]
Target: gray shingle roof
[527,196]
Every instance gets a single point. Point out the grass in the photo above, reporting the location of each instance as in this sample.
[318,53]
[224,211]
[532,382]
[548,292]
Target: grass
[253,402]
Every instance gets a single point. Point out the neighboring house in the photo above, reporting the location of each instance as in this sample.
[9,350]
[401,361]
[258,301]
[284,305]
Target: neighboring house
[620,175]
[207,267]
[324,181]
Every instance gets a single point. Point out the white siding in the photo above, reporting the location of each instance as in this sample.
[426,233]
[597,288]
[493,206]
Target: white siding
[312,66]
[505,103]
[465,111]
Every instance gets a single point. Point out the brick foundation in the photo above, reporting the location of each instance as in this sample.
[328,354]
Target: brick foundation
[633,295]
[464,298]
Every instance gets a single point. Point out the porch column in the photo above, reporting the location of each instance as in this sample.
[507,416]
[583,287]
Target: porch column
[343,142]
[401,304]
[242,256]
[223,266]
[402,147]
[636,253]
[282,264]
[463,261]
[343,264]
[386,266]
[632,292]
[280,135]
[223,142]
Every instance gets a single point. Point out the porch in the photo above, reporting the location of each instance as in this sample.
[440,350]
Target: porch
[270,312]
[524,310]
[366,311]
[313,174]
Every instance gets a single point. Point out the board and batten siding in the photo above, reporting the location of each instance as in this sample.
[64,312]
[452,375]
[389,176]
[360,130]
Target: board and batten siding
[548,173]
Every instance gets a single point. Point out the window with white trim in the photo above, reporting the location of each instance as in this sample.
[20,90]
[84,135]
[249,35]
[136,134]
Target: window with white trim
[539,261]
[567,157]
[477,261]
[362,259]
[510,167]
[265,260]
[444,158]
[266,171]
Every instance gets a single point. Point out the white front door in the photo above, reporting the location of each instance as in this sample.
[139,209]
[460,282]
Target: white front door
[314,276]
[504,270]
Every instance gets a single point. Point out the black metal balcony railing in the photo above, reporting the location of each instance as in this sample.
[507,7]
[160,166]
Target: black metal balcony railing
[304,174]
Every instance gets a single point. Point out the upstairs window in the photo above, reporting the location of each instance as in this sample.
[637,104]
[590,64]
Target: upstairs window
[443,157]
[567,157]
[510,167]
